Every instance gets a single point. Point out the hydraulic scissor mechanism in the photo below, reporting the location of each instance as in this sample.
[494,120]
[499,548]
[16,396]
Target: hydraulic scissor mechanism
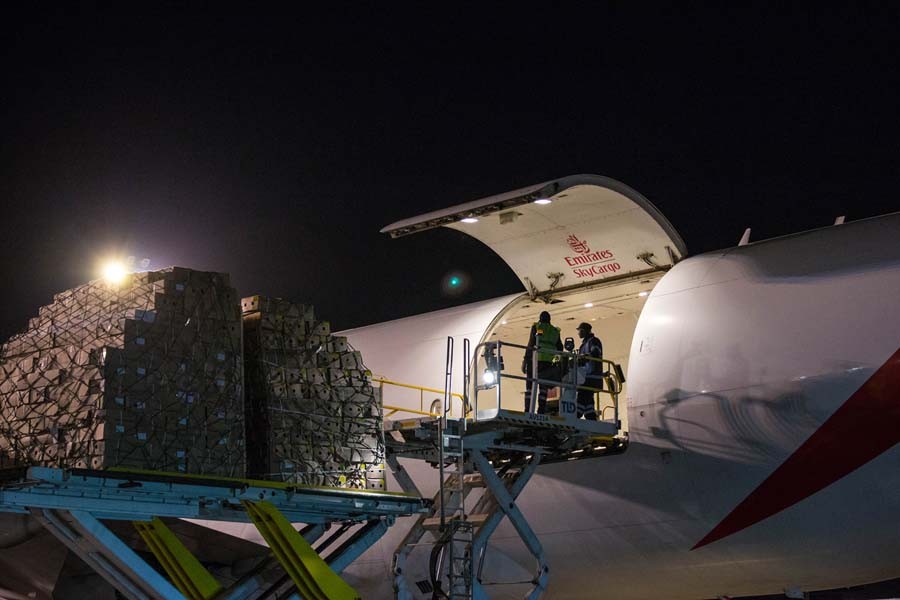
[78,507]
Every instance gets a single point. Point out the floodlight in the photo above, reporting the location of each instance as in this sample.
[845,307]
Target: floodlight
[114,271]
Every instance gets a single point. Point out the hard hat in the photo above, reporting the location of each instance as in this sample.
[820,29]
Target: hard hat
[545,317]
[585,326]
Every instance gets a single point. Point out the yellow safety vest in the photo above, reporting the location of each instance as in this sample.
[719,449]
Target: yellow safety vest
[546,338]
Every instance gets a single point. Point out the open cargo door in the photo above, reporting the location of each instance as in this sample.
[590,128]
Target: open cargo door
[565,233]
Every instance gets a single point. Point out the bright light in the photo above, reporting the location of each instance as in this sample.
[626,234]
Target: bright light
[114,271]
[543,201]
[589,305]
[489,377]
[642,294]
[503,322]
[470,220]
[454,281]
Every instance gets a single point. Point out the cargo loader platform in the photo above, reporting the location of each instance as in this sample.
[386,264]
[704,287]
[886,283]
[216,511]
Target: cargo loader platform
[72,504]
[505,434]
[497,451]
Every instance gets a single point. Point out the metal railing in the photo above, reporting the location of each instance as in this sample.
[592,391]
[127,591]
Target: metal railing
[492,355]
[422,390]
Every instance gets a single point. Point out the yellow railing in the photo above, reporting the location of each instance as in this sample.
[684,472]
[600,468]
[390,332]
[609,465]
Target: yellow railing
[421,389]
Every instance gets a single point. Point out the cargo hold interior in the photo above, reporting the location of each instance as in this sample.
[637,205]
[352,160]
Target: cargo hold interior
[611,308]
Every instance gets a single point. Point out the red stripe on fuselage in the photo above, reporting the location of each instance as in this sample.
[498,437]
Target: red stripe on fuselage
[865,426]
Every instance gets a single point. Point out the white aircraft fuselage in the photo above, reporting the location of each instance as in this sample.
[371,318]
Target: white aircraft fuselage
[763,408]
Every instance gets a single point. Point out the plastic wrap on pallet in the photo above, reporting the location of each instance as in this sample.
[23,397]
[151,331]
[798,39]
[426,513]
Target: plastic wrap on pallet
[313,416]
[144,374]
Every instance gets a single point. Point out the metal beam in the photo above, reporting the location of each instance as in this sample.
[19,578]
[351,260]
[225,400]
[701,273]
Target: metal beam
[313,577]
[358,543]
[506,503]
[189,575]
[109,556]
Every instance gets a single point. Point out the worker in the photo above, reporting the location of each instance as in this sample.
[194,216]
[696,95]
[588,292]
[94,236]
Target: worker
[545,338]
[593,372]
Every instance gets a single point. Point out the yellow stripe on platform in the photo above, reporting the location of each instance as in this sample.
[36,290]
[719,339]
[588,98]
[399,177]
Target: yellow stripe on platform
[314,578]
[189,576]
[277,485]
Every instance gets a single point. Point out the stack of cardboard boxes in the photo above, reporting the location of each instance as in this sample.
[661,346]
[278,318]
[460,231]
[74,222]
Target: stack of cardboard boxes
[143,374]
[148,373]
[315,417]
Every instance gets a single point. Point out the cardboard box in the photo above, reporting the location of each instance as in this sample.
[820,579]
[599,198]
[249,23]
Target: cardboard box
[128,376]
[313,417]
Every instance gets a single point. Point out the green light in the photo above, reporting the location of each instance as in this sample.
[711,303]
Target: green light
[454,281]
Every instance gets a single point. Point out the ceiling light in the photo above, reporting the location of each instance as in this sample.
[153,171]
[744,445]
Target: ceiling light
[469,220]
[543,201]
[642,294]
[589,305]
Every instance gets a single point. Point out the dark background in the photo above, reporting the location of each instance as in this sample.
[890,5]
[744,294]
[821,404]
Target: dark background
[275,146]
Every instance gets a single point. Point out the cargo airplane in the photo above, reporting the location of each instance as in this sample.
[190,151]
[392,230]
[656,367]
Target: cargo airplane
[762,407]
[762,401]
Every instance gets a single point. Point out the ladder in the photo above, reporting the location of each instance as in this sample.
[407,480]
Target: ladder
[456,530]
[466,540]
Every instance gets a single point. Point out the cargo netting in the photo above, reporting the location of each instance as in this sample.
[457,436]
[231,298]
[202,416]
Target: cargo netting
[314,416]
[144,374]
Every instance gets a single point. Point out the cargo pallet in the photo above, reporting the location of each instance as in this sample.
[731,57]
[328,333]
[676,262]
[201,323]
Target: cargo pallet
[71,504]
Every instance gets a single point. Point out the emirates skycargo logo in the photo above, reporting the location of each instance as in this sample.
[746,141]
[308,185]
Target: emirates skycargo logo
[579,246]
[590,264]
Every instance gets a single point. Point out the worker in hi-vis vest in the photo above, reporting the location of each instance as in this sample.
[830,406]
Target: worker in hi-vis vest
[544,338]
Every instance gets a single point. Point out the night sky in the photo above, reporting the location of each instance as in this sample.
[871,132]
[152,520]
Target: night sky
[274,147]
